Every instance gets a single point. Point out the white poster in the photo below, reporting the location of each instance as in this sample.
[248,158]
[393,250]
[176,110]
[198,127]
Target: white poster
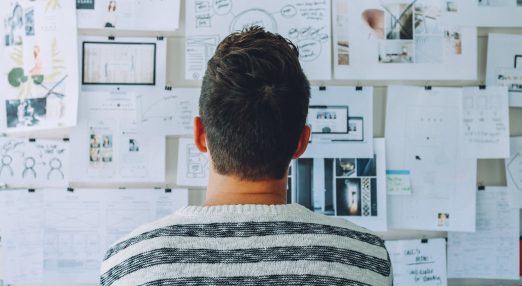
[485,122]
[352,188]
[492,252]
[34,163]
[123,63]
[514,172]
[142,15]
[58,236]
[504,66]
[108,146]
[484,13]
[423,141]
[400,39]
[418,262]
[168,112]
[193,166]
[307,23]
[38,65]
[341,120]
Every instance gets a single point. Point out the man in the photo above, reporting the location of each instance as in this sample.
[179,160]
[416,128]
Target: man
[253,108]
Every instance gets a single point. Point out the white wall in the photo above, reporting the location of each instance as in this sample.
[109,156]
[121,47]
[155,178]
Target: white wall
[490,172]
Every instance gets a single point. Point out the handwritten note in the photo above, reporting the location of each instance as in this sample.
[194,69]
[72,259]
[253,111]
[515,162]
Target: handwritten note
[418,263]
[398,182]
[492,252]
[485,122]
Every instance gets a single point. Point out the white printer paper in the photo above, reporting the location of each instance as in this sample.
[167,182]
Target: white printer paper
[492,252]
[192,165]
[108,146]
[422,138]
[417,262]
[341,119]
[514,172]
[307,23]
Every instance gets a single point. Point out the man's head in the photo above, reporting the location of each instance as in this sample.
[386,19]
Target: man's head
[253,106]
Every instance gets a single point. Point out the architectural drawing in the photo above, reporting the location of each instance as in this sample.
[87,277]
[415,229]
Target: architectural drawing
[169,112]
[150,15]
[409,39]
[39,65]
[192,169]
[30,163]
[305,22]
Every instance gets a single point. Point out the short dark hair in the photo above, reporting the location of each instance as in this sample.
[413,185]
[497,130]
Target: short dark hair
[254,104]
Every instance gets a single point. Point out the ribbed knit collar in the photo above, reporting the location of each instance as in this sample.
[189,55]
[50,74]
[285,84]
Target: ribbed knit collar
[288,209]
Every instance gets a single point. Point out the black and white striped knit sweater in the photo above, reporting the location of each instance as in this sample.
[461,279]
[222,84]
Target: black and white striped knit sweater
[248,245]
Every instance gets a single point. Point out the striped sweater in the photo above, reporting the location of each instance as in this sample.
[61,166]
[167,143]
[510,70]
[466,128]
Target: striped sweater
[248,245]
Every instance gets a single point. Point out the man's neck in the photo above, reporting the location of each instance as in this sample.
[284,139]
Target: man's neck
[228,190]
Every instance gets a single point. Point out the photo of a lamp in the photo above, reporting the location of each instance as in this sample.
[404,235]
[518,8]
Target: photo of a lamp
[374,18]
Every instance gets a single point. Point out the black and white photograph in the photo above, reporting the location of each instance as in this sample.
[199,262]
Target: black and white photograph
[399,21]
[25,113]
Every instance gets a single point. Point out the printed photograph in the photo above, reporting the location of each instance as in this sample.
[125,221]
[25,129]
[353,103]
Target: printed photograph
[345,167]
[427,19]
[85,4]
[348,197]
[133,145]
[453,39]
[356,129]
[343,53]
[100,148]
[25,113]
[399,21]
[366,167]
[396,52]
[443,219]
[14,27]
[373,21]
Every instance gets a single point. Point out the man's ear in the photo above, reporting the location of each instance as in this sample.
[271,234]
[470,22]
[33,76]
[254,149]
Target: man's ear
[303,142]
[200,138]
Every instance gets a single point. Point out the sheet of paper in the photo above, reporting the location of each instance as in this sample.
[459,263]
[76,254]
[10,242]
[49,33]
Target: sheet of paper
[307,23]
[484,13]
[149,15]
[514,172]
[59,236]
[422,137]
[22,233]
[418,263]
[492,252]
[38,65]
[398,182]
[352,188]
[34,163]
[123,64]
[504,64]
[192,165]
[341,119]
[485,122]
[108,146]
[169,112]
[397,40]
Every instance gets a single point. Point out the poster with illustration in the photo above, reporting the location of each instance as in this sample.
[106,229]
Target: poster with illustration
[38,65]
[400,40]
[142,15]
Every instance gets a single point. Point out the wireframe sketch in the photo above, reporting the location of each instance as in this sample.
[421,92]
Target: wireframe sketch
[39,64]
[26,163]
[197,163]
[193,165]
[119,63]
[305,22]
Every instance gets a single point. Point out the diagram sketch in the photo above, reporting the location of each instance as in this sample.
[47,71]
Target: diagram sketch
[149,15]
[39,65]
[169,112]
[305,22]
[30,163]
[192,165]
[407,39]
[111,148]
